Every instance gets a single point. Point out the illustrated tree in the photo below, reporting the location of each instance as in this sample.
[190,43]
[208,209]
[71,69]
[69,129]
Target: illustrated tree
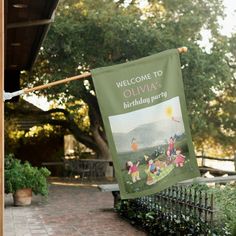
[89,34]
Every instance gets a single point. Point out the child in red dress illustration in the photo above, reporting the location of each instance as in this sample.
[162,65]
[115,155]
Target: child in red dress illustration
[179,158]
[133,171]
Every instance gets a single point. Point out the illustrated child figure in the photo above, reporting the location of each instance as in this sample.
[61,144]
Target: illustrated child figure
[153,168]
[179,159]
[159,165]
[171,146]
[133,171]
[169,157]
[134,145]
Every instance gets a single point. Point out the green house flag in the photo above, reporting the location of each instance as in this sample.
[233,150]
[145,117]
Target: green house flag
[144,113]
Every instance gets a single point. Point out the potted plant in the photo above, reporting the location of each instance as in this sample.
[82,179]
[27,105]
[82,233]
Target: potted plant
[21,179]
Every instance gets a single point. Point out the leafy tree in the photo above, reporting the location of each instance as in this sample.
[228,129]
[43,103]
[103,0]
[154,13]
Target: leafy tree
[88,34]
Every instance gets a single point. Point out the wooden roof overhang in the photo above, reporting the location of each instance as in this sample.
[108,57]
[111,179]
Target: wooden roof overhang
[26,25]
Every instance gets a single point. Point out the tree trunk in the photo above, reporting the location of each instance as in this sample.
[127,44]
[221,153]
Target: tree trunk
[104,152]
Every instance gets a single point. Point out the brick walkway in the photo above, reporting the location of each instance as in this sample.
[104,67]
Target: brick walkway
[68,210]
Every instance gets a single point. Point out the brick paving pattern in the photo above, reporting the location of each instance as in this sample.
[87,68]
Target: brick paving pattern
[68,210]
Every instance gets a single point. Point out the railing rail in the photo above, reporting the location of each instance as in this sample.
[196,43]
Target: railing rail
[216,158]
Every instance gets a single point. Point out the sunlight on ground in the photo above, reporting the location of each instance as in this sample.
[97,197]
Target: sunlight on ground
[220,165]
[74,184]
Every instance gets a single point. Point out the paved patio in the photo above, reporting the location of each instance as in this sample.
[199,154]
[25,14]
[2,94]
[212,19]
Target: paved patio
[70,209]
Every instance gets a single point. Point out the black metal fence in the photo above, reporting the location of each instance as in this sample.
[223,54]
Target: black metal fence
[179,210]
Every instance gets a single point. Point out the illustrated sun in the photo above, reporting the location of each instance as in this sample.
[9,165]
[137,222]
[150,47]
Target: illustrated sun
[169,111]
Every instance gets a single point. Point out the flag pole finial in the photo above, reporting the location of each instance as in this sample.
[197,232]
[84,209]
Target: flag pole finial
[182,49]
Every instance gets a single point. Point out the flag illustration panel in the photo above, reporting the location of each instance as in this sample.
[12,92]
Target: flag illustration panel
[144,113]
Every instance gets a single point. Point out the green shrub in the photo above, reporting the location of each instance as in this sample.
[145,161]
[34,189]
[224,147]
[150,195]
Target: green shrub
[225,207]
[23,175]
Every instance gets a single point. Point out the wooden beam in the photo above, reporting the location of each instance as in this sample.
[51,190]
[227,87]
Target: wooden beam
[29,23]
[1,118]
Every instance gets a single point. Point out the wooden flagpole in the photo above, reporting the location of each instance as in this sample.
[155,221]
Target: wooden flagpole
[78,77]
